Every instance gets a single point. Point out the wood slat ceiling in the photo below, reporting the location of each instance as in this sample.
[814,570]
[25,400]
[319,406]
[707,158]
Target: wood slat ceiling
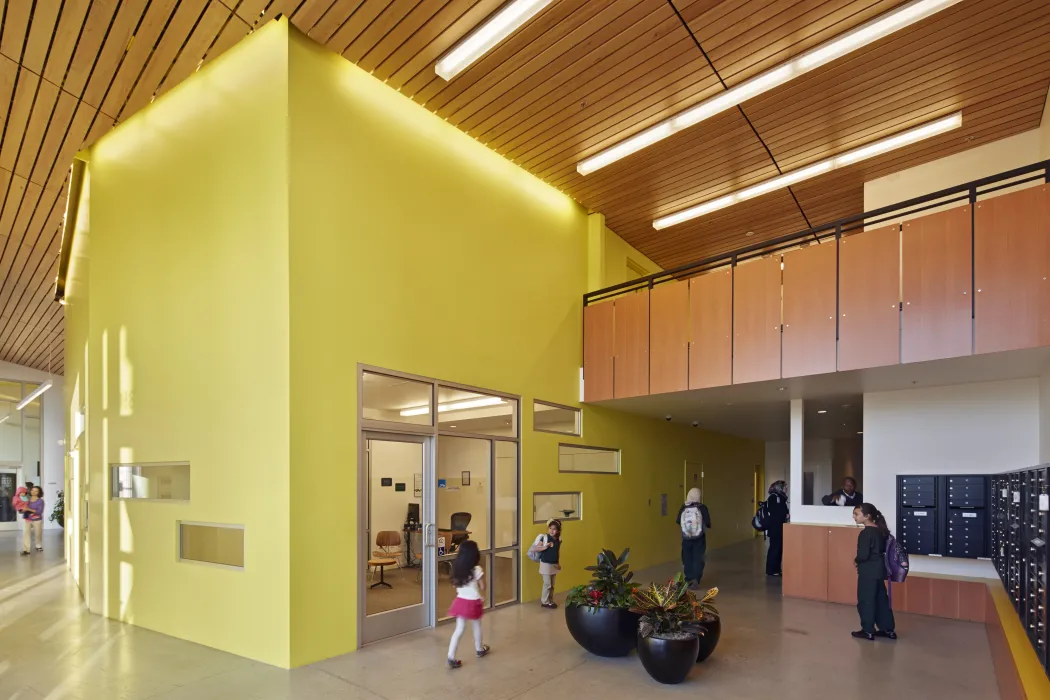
[581,76]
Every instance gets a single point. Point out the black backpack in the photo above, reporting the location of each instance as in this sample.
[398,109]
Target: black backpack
[761,520]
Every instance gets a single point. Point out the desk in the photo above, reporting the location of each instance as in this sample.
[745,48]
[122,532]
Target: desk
[446,531]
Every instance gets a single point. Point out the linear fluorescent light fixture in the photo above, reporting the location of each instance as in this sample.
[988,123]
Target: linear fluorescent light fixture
[860,37]
[848,158]
[497,28]
[33,394]
[455,406]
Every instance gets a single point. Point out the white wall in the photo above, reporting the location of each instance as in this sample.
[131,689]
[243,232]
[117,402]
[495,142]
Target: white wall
[398,461]
[1044,417]
[52,462]
[980,428]
[454,456]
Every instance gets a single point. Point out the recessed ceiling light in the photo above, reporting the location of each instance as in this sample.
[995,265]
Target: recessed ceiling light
[781,388]
[822,411]
[497,28]
[452,426]
[860,37]
[848,158]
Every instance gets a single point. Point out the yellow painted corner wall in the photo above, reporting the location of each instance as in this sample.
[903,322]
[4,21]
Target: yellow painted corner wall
[617,254]
[415,248]
[184,324]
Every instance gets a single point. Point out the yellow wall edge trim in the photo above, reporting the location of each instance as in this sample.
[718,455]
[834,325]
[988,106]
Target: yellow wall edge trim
[1033,677]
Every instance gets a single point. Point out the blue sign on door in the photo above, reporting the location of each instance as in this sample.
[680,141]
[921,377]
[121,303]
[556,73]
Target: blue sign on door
[441,483]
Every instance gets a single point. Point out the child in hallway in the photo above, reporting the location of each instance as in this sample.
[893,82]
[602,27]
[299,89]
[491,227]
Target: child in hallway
[469,603]
[548,547]
[33,520]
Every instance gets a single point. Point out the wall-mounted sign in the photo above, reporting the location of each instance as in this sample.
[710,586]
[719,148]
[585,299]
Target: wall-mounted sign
[442,484]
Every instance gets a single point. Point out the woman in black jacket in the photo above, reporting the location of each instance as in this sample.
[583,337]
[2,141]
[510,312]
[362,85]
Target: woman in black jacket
[777,511]
[876,618]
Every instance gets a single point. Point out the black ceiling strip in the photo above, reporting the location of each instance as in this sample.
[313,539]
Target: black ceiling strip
[740,108]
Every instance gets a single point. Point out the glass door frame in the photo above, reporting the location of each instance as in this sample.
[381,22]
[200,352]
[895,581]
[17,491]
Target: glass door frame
[16,469]
[377,429]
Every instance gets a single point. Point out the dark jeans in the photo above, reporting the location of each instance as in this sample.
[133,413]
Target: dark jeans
[775,555]
[694,558]
[873,605]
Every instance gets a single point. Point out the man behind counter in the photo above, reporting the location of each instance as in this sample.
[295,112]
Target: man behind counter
[848,495]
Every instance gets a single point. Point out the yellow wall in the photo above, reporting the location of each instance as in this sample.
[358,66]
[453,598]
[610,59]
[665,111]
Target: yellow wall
[608,255]
[184,320]
[415,248]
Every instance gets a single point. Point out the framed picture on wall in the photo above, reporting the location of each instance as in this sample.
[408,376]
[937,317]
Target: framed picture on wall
[417,485]
[386,481]
[465,478]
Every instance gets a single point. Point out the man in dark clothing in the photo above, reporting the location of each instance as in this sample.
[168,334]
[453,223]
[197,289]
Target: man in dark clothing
[694,519]
[848,495]
[777,510]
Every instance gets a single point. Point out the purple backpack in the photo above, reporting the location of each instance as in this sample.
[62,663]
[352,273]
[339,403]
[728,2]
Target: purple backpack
[896,560]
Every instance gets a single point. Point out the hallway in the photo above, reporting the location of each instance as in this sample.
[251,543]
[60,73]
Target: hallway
[50,647]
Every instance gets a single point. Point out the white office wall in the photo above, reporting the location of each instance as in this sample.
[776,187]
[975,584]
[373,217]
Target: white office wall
[398,461]
[1044,416]
[455,456]
[52,461]
[964,429]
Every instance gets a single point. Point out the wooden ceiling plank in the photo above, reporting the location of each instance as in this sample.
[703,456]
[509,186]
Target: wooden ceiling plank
[70,23]
[166,52]
[389,19]
[234,31]
[15,256]
[41,320]
[99,71]
[309,13]
[30,294]
[73,141]
[417,56]
[416,20]
[36,345]
[40,121]
[585,71]
[100,125]
[41,30]
[251,11]
[16,28]
[96,25]
[356,23]
[134,62]
[204,35]
[8,79]
[334,18]
[18,118]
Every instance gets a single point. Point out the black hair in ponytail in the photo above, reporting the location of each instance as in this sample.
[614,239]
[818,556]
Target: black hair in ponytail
[876,517]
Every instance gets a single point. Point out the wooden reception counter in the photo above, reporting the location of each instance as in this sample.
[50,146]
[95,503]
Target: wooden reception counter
[818,565]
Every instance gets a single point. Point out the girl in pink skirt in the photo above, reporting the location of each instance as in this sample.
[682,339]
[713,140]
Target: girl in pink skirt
[469,603]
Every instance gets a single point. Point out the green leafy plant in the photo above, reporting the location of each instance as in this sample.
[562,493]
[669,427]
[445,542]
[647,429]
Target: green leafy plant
[671,610]
[58,512]
[610,586]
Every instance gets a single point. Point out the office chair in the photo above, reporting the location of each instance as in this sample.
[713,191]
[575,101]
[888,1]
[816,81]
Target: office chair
[459,521]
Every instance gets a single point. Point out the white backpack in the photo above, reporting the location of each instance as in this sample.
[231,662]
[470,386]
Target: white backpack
[692,522]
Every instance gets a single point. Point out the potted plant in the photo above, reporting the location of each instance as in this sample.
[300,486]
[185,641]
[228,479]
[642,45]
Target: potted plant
[668,629]
[58,513]
[598,613]
[711,621]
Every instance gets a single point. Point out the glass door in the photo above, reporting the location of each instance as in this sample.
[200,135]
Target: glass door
[397,543]
[10,480]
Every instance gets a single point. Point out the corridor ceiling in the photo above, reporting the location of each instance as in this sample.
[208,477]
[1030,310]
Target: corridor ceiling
[577,78]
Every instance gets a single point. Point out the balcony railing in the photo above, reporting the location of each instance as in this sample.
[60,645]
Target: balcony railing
[902,283]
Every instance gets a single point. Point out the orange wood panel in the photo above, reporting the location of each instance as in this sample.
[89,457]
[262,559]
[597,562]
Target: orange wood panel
[918,597]
[972,600]
[936,318]
[1011,267]
[756,321]
[869,299]
[711,314]
[669,337]
[842,572]
[631,369]
[805,562]
[899,596]
[598,350]
[809,309]
[944,598]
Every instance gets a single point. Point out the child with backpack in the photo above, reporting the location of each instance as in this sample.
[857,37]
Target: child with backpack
[694,520]
[546,550]
[876,617]
[469,603]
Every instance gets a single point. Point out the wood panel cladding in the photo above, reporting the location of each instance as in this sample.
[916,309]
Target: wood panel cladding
[1011,270]
[809,310]
[806,570]
[631,366]
[842,572]
[869,299]
[599,347]
[936,318]
[756,320]
[711,332]
[669,337]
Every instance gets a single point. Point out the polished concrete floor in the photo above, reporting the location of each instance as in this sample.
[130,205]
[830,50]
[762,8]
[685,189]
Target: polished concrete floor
[50,647]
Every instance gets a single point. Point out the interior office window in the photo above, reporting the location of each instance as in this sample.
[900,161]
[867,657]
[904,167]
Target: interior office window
[157,482]
[564,505]
[833,452]
[212,543]
[10,423]
[592,460]
[396,400]
[552,418]
[471,412]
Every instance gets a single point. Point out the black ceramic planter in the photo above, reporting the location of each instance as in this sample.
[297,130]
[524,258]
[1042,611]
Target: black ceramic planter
[603,631]
[668,660]
[709,640]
